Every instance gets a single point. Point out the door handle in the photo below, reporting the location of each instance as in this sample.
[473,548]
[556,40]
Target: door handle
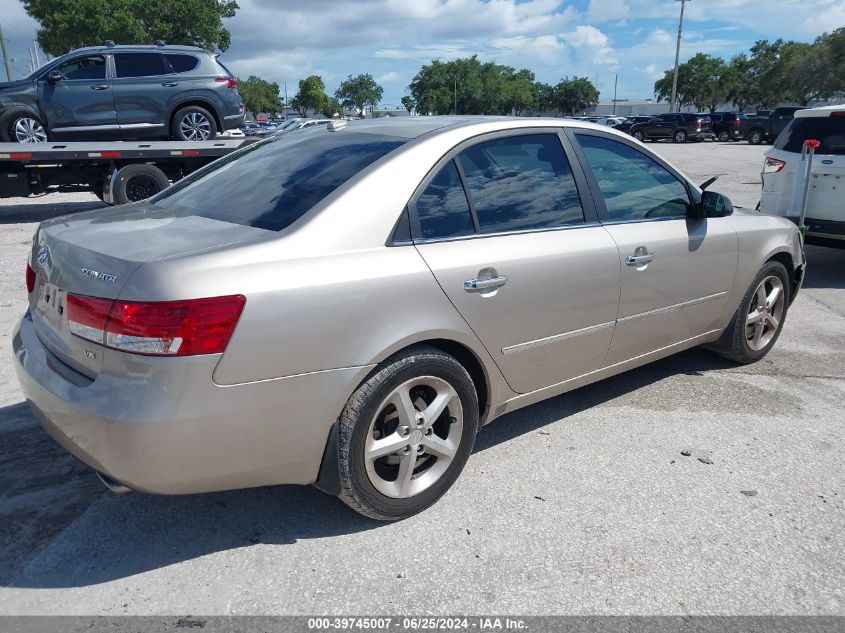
[169,84]
[100,87]
[638,260]
[482,285]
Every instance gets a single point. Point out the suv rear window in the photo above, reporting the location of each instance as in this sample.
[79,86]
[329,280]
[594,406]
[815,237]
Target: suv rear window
[140,65]
[272,184]
[181,63]
[829,130]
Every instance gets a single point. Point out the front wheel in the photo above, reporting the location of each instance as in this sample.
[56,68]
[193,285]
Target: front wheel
[755,137]
[22,127]
[680,137]
[724,136]
[760,318]
[406,433]
[637,134]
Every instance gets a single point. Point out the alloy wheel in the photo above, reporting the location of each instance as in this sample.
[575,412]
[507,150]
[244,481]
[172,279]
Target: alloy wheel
[29,130]
[195,127]
[764,313]
[723,136]
[414,437]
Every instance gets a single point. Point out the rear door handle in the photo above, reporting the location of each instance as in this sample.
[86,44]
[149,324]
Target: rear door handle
[169,84]
[638,260]
[482,285]
[100,87]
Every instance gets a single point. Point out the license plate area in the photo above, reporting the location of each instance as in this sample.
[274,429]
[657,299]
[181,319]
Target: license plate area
[52,305]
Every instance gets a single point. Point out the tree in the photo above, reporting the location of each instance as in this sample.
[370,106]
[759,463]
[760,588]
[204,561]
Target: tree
[575,95]
[260,95]
[409,103]
[519,91]
[69,24]
[311,95]
[359,92]
[703,81]
[331,107]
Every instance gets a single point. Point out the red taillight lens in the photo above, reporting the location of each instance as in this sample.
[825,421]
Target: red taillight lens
[30,279]
[735,122]
[230,82]
[773,165]
[838,113]
[166,328]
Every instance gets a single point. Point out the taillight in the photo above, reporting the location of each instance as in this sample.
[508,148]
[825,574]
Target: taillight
[165,328]
[230,82]
[838,113]
[773,165]
[30,279]
[735,122]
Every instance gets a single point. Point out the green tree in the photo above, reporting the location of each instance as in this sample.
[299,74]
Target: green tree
[575,95]
[69,24]
[519,93]
[331,107]
[359,92]
[311,95]
[703,81]
[409,103]
[260,95]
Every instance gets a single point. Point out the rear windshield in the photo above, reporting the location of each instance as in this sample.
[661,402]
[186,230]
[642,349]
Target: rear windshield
[830,131]
[273,183]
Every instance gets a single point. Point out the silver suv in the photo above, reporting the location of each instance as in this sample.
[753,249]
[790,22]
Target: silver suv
[122,92]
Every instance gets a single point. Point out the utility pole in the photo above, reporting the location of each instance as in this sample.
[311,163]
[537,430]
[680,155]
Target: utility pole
[286,101]
[5,56]
[37,59]
[677,56]
[615,84]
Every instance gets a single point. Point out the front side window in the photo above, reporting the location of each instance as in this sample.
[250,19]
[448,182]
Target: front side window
[634,186]
[519,183]
[140,65]
[272,184]
[442,208]
[93,67]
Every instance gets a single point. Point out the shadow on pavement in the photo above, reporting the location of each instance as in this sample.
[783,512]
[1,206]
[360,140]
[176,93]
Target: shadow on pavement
[35,211]
[825,267]
[61,529]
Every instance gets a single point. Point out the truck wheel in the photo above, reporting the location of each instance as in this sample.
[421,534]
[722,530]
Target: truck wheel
[755,137]
[680,137]
[22,127]
[137,182]
[193,124]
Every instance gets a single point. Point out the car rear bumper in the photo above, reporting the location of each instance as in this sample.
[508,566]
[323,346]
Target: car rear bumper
[233,121]
[171,430]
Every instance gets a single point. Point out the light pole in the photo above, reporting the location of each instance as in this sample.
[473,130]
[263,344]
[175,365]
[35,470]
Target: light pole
[677,56]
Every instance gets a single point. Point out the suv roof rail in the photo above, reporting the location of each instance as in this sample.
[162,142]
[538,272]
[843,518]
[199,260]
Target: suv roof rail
[159,42]
[109,43]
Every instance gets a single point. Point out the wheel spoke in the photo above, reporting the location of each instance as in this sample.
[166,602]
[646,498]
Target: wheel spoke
[772,321]
[405,409]
[438,446]
[772,298]
[758,332]
[438,405]
[761,295]
[391,444]
[753,317]
[406,473]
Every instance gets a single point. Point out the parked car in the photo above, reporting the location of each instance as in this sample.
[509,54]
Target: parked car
[757,131]
[678,126]
[825,215]
[726,125]
[345,306]
[631,120]
[299,124]
[114,92]
[610,120]
[761,114]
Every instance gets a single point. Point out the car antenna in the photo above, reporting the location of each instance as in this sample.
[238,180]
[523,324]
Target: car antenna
[708,182]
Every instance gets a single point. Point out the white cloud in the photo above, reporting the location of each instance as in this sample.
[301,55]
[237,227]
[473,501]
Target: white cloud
[607,10]
[591,45]
[389,77]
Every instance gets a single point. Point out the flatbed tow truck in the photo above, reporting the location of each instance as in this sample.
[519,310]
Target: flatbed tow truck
[117,172]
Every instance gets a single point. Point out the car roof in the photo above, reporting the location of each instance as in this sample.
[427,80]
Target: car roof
[822,111]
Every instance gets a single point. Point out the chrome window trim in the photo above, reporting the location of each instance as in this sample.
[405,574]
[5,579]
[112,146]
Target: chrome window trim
[455,238]
[519,347]
[671,308]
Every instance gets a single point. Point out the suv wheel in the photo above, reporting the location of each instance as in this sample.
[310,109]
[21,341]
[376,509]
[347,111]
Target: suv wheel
[724,136]
[193,123]
[755,137]
[637,134]
[680,137]
[22,127]
[406,433]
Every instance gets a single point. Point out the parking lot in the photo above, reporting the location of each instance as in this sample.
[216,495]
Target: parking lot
[583,504]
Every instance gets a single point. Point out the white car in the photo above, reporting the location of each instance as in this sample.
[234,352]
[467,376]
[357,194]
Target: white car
[611,120]
[825,215]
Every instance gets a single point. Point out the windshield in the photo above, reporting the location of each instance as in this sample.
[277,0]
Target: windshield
[272,184]
[829,130]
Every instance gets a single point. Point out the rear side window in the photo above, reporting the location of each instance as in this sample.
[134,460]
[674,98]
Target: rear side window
[830,131]
[521,182]
[272,184]
[85,68]
[181,63]
[140,65]
[634,186]
[442,208]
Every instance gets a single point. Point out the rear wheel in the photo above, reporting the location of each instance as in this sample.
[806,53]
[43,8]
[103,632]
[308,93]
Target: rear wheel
[760,318]
[22,127]
[755,137]
[406,433]
[193,123]
[138,182]
[637,134]
[724,136]
[680,136]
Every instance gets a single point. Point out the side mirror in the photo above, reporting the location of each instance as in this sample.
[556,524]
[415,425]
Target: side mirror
[55,76]
[713,205]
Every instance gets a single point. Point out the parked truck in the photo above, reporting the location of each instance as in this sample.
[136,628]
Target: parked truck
[765,130]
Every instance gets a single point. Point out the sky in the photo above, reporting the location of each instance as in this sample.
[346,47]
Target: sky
[287,40]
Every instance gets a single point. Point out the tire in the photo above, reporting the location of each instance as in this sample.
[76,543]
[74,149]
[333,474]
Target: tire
[755,137]
[680,136]
[735,343]
[724,137]
[21,126]
[137,182]
[374,486]
[193,123]
[637,134]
